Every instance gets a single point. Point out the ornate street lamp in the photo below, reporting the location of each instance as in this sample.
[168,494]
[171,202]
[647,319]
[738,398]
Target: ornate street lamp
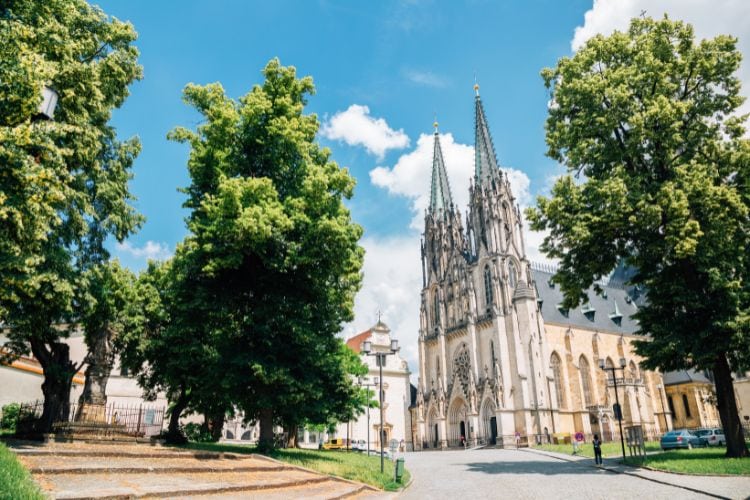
[49,103]
[361,381]
[380,356]
[618,408]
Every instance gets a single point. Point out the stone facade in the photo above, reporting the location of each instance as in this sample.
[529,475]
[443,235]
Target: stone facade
[497,354]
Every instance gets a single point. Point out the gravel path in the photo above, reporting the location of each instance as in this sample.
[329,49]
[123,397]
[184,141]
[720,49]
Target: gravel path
[522,474]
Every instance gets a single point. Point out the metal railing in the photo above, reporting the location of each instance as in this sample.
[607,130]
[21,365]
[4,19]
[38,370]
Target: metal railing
[96,420]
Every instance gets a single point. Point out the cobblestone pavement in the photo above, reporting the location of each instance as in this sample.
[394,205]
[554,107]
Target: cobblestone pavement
[523,474]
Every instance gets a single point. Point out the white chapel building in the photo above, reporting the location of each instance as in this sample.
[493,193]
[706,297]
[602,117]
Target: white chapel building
[396,392]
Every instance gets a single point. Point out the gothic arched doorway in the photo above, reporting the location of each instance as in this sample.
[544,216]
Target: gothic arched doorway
[488,422]
[457,421]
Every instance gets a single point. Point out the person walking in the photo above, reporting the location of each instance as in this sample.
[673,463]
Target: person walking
[597,449]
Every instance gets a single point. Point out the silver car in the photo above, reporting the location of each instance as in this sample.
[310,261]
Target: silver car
[714,436]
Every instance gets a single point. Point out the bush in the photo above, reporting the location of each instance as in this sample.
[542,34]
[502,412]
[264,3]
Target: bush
[197,433]
[9,419]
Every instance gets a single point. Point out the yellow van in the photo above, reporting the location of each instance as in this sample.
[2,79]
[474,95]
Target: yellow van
[335,444]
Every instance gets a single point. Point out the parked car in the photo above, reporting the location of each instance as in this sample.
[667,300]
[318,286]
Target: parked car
[359,445]
[714,436]
[682,438]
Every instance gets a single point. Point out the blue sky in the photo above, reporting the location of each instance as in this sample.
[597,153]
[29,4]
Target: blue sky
[382,69]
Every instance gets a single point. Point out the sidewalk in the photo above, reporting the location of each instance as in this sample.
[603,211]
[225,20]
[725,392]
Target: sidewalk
[715,486]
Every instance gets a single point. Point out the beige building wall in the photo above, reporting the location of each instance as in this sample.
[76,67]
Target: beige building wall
[591,411]
[742,392]
[693,405]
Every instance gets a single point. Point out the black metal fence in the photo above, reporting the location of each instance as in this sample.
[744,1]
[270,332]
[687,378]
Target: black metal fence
[101,421]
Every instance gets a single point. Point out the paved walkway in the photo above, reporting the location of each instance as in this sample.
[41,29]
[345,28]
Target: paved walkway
[527,474]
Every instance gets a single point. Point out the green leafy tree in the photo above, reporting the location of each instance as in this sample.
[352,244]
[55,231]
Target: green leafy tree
[63,182]
[325,394]
[645,119]
[273,249]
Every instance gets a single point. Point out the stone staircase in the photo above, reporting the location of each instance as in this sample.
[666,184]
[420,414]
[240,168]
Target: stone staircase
[114,471]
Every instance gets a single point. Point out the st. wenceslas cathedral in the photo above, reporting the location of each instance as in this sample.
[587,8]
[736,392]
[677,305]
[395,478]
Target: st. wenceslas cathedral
[489,367]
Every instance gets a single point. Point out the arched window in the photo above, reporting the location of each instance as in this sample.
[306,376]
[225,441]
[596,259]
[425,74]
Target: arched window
[487,286]
[687,405]
[557,374]
[512,275]
[609,372]
[583,366]
[633,370]
[436,308]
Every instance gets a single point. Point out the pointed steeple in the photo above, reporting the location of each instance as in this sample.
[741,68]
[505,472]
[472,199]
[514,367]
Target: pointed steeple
[440,194]
[485,160]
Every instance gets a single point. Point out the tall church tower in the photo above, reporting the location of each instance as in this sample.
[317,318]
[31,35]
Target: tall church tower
[481,343]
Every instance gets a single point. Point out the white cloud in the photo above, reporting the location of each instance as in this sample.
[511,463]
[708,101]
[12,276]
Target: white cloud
[708,17]
[151,250]
[356,127]
[426,78]
[392,283]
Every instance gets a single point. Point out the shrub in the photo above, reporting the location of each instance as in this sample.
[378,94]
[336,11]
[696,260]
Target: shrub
[197,433]
[10,417]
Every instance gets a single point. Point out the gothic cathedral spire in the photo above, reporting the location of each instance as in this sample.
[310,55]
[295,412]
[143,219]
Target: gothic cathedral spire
[440,194]
[485,162]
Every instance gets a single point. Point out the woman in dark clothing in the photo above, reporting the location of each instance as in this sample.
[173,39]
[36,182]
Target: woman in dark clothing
[597,449]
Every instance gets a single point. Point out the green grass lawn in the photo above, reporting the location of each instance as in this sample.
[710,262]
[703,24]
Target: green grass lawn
[349,465]
[15,481]
[609,449]
[697,461]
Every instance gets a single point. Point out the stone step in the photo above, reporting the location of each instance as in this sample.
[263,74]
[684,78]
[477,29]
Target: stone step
[142,485]
[325,490]
[108,452]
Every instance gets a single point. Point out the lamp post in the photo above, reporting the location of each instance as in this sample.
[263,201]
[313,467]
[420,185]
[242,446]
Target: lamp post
[380,356]
[361,382]
[660,388]
[618,412]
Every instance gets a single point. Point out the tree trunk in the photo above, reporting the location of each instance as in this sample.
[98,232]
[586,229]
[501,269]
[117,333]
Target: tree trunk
[265,442]
[215,424]
[58,377]
[173,431]
[100,360]
[291,440]
[727,404]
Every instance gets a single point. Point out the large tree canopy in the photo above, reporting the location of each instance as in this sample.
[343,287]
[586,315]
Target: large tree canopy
[63,182]
[256,293]
[645,121]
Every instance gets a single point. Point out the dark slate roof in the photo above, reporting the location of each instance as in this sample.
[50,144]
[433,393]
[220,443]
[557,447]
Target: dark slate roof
[598,314]
[684,377]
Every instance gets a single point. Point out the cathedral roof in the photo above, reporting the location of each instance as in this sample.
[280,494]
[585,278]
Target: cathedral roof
[685,377]
[485,160]
[610,312]
[440,194]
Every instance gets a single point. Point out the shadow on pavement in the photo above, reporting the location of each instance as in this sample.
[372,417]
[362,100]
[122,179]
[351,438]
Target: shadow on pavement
[533,467]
